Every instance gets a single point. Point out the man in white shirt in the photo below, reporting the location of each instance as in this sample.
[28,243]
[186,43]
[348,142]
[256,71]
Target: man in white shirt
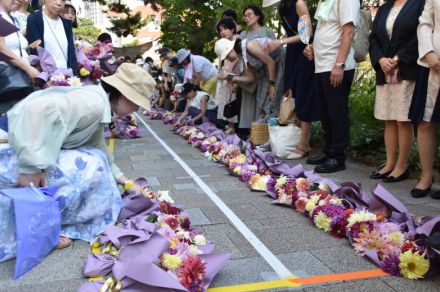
[334,71]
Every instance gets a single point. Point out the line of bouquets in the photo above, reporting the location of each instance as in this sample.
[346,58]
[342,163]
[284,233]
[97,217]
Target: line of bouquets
[377,224]
[152,247]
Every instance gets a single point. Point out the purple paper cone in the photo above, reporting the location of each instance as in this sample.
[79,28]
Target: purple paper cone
[353,194]
[208,248]
[91,286]
[214,263]
[121,237]
[98,265]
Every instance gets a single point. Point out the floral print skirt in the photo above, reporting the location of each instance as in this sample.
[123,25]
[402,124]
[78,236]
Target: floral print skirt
[86,193]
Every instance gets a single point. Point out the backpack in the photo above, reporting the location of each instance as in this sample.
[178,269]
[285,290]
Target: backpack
[360,41]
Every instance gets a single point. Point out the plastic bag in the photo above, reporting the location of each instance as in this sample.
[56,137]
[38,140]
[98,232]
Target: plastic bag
[284,139]
[38,225]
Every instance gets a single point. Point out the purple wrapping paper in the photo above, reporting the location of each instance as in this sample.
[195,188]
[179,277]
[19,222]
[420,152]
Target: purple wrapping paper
[318,179]
[98,265]
[137,204]
[47,64]
[276,166]
[214,263]
[352,192]
[120,237]
[91,286]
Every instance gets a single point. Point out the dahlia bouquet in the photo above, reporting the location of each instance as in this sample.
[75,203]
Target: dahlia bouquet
[62,80]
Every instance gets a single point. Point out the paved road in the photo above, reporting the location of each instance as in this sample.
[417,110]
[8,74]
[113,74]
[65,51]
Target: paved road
[302,248]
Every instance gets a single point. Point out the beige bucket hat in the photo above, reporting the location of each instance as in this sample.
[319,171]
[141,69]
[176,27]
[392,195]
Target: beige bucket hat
[267,3]
[134,83]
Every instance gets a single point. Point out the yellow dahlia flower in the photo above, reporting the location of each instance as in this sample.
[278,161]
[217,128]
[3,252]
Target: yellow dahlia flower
[171,262]
[413,265]
[322,221]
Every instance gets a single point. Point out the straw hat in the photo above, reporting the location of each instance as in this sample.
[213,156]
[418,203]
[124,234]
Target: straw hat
[134,83]
[270,2]
[223,47]
[182,54]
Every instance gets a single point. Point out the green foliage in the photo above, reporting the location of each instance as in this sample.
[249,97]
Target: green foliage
[86,30]
[128,25]
[134,43]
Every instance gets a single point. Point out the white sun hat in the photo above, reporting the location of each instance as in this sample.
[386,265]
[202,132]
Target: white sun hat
[223,47]
[267,3]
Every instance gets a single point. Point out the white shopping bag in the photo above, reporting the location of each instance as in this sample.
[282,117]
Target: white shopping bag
[284,139]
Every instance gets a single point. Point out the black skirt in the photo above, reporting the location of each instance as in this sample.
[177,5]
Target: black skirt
[418,102]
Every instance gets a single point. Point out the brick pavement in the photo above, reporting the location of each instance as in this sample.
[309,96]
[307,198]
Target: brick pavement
[304,249]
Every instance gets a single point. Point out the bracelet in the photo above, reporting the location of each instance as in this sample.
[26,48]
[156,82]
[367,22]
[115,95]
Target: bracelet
[271,83]
[128,184]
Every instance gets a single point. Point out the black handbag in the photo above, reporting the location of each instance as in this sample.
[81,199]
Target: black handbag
[231,109]
[14,82]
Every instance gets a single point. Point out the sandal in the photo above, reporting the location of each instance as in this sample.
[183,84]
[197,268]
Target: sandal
[296,155]
[63,243]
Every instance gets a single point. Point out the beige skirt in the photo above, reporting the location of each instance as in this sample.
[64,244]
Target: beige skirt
[393,101]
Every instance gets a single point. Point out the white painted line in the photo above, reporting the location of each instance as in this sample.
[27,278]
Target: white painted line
[268,256]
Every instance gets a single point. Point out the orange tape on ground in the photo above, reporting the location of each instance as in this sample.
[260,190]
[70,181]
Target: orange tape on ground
[340,277]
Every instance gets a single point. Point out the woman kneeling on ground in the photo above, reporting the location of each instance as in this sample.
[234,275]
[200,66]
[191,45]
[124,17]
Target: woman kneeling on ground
[199,105]
[72,118]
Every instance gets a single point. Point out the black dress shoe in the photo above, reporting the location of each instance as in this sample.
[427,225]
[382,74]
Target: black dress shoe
[317,159]
[403,176]
[419,193]
[378,175]
[435,195]
[330,165]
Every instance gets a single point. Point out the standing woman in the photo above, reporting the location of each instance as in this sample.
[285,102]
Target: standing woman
[14,47]
[55,34]
[21,15]
[70,14]
[269,69]
[226,28]
[425,106]
[298,71]
[393,52]
[254,19]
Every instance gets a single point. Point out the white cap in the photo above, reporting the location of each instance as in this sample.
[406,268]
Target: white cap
[223,47]
[182,54]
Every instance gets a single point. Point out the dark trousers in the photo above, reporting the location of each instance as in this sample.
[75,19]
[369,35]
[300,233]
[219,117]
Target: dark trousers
[211,115]
[333,106]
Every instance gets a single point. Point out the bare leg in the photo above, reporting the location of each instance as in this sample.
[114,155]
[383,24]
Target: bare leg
[426,145]
[391,139]
[406,138]
[304,145]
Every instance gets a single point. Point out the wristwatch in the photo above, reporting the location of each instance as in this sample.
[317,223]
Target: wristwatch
[340,65]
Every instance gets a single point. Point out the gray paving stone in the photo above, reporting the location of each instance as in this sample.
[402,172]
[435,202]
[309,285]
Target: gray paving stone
[241,271]
[215,215]
[246,211]
[217,228]
[186,186]
[197,217]
[201,191]
[60,265]
[223,244]
[153,181]
[342,259]
[368,285]
[136,158]
[148,165]
[425,285]
[271,210]
[242,244]
[55,286]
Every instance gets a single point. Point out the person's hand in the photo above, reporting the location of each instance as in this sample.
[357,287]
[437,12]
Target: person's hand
[433,60]
[387,65]
[271,46]
[336,76]
[272,92]
[308,53]
[38,180]
[32,72]
[135,188]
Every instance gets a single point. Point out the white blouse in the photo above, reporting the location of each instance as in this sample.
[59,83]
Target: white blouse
[55,41]
[16,40]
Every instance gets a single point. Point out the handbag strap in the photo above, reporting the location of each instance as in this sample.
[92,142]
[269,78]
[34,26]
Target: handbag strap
[289,26]
[18,36]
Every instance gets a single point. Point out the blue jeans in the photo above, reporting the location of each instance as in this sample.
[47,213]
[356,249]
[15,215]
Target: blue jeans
[4,123]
